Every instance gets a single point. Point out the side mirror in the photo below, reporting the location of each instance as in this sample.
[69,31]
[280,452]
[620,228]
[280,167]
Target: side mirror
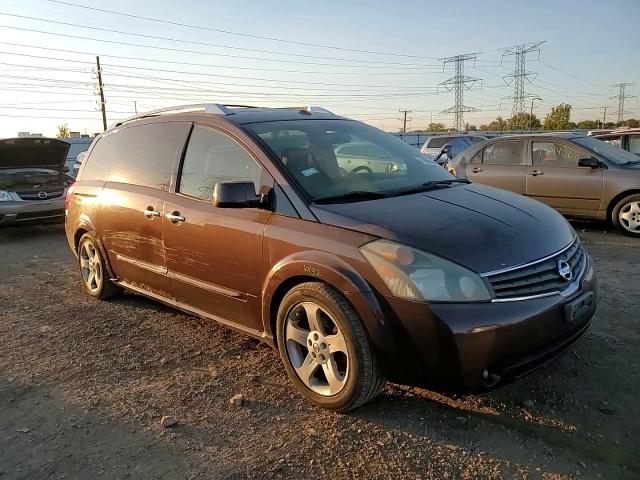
[589,162]
[65,169]
[236,195]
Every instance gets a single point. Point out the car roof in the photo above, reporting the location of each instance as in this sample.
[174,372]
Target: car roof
[236,114]
[617,133]
[562,135]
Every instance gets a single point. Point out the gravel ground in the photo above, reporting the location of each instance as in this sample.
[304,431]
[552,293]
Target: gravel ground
[84,385]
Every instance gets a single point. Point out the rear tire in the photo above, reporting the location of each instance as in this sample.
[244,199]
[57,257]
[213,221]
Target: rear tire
[325,350]
[93,271]
[625,216]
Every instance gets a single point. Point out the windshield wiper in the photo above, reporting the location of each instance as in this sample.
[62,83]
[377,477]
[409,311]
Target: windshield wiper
[355,196]
[426,186]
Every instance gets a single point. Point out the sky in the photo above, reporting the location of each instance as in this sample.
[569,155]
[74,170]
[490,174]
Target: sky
[362,59]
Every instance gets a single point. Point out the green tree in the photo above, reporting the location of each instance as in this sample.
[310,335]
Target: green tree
[436,127]
[471,128]
[63,131]
[589,124]
[523,121]
[498,124]
[558,118]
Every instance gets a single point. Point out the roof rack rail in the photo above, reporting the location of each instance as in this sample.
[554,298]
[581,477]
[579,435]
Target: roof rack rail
[308,109]
[215,108]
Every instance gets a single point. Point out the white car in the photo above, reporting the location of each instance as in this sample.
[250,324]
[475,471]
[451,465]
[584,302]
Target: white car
[434,144]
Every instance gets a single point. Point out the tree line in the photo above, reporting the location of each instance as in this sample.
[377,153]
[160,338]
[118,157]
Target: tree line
[559,118]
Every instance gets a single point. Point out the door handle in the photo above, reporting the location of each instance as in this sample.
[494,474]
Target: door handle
[477,170]
[535,173]
[149,212]
[175,217]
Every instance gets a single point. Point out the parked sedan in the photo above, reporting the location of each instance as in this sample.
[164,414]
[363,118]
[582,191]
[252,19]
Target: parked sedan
[580,176]
[33,180]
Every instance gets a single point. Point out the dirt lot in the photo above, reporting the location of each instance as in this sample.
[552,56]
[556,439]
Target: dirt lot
[83,386]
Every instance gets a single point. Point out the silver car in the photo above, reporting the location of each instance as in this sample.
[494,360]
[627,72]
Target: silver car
[33,180]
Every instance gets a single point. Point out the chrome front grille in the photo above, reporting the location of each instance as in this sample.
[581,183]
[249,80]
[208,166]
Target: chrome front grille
[38,195]
[539,278]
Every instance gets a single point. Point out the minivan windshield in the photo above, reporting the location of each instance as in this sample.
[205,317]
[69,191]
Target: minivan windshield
[608,151]
[347,159]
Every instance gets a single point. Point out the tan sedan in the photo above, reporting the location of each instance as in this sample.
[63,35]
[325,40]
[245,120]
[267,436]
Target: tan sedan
[580,176]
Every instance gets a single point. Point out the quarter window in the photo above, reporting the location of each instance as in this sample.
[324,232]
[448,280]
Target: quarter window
[503,153]
[213,157]
[555,154]
[145,155]
[634,144]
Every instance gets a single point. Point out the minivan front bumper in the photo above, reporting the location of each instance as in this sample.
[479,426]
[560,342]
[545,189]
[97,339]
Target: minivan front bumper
[474,346]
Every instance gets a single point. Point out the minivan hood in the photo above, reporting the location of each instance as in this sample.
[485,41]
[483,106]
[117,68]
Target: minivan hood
[27,153]
[480,227]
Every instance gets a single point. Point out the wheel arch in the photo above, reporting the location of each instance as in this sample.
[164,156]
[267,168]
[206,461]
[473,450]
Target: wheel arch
[333,271]
[86,227]
[614,201]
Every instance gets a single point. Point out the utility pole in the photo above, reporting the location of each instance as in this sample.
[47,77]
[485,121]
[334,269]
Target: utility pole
[135,106]
[404,120]
[531,113]
[101,91]
[458,84]
[604,116]
[621,97]
[520,75]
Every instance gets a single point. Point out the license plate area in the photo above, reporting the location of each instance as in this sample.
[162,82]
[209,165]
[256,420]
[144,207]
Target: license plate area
[575,309]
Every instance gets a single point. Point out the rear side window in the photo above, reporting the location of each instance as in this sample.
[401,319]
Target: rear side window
[438,142]
[214,157]
[634,144]
[504,153]
[145,155]
[555,154]
[98,164]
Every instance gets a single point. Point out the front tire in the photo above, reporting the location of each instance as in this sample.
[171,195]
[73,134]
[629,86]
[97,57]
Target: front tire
[93,272]
[325,350]
[625,216]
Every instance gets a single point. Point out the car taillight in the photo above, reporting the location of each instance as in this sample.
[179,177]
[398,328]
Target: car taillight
[67,198]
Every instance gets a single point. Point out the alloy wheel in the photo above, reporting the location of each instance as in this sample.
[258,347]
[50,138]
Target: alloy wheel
[91,267]
[629,217]
[316,348]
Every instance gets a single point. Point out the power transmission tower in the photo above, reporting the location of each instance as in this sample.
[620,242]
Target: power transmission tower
[520,75]
[621,97]
[404,119]
[459,83]
[101,92]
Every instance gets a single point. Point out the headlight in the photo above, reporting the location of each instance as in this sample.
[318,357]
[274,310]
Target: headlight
[416,275]
[4,196]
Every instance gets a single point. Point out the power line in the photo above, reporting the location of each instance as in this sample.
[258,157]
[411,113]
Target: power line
[459,83]
[520,75]
[206,44]
[182,50]
[570,75]
[194,64]
[229,32]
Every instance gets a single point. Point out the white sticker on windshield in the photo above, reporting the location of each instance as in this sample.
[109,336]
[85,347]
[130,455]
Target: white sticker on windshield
[309,171]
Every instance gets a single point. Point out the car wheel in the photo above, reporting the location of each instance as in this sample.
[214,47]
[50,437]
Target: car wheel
[626,215]
[93,272]
[325,349]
